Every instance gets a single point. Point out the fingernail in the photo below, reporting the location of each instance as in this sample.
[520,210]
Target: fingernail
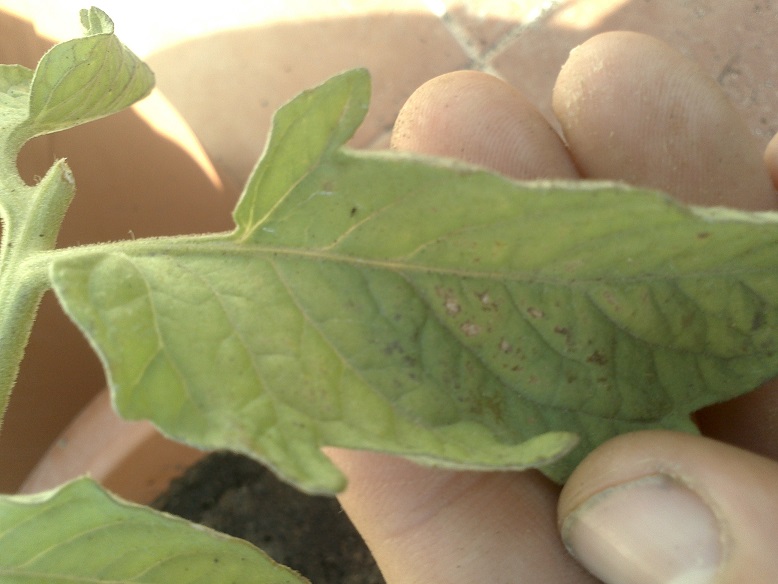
[651,531]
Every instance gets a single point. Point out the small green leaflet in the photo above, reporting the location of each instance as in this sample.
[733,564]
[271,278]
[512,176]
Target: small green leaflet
[87,78]
[75,82]
[425,308]
[78,533]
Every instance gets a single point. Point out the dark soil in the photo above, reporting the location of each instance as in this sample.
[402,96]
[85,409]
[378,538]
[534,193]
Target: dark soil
[238,496]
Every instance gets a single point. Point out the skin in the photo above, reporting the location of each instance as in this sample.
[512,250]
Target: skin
[679,134]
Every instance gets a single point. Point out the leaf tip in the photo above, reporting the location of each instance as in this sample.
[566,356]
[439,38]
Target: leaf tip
[95,21]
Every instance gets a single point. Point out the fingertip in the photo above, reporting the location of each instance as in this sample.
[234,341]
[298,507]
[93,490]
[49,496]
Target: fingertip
[477,118]
[634,109]
[651,506]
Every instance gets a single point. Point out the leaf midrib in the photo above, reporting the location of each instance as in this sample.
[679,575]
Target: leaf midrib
[223,245]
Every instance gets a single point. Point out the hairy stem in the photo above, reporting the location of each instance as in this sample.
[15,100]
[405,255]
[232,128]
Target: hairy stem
[30,226]
[18,305]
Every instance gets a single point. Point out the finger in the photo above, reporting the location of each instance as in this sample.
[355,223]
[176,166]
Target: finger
[475,117]
[431,525]
[633,109]
[656,507]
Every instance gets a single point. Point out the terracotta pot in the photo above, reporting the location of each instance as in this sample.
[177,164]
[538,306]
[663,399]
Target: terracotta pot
[131,459]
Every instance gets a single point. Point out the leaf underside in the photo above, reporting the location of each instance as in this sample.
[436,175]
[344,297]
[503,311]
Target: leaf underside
[429,309]
[80,534]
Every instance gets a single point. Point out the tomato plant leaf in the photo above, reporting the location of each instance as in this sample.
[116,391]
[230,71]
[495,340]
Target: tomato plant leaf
[85,79]
[78,533]
[15,83]
[428,309]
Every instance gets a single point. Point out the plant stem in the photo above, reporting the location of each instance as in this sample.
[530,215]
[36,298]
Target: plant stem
[18,305]
[30,226]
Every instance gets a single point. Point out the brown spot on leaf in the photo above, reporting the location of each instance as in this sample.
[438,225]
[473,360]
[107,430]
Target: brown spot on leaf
[486,301]
[611,299]
[597,358]
[470,329]
[450,302]
[565,332]
[535,312]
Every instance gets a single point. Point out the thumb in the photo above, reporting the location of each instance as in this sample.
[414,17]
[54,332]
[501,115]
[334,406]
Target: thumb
[662,507]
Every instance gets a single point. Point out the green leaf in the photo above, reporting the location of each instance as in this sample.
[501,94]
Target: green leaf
[95,21]
[85,79]
[428,309]
[78,533]
[15,83]
[312,126]
[75,82]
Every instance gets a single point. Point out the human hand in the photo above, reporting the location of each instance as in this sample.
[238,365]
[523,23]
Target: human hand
[644,508]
